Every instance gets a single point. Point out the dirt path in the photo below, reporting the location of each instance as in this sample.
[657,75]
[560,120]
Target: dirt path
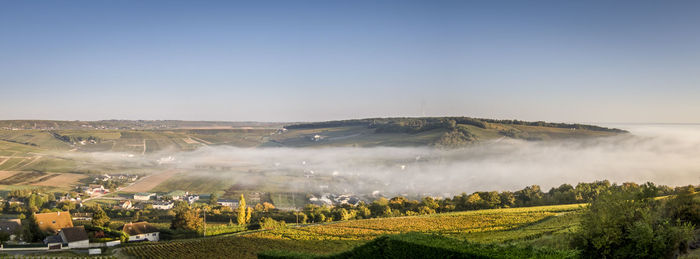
[15,165]
[31,162]
[6,174]
[201,140]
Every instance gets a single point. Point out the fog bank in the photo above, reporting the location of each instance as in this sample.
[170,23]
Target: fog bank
[661,154]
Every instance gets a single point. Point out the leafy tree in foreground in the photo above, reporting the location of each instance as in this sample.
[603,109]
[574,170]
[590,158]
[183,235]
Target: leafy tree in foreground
[186,218]
[684,206]
[619,225]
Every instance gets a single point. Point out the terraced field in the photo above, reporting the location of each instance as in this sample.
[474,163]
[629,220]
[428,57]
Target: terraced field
[485,226]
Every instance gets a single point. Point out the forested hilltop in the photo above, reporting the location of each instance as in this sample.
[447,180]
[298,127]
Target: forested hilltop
[438,131]
[415,125]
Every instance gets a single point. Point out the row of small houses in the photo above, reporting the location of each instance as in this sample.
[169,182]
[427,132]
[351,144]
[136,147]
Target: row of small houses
[174,195]
[66,235]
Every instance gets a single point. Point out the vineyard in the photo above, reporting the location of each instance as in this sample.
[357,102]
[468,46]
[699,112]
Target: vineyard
[485,226]
[243,246]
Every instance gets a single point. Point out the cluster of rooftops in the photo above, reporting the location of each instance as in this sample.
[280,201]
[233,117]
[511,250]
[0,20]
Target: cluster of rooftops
[65,234]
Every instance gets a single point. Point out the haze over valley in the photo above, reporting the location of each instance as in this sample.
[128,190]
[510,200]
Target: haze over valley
[357,160]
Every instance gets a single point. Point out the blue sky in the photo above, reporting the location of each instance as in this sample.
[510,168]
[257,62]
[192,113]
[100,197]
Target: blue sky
[572,61]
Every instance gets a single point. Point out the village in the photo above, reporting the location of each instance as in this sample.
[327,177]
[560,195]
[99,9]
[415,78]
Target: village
[97,216]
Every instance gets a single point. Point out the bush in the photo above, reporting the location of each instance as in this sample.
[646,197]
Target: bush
[684,206]
[620,226]
[110,233]
[269,223]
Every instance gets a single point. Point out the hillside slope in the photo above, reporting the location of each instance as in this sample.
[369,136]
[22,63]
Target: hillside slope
[431,131]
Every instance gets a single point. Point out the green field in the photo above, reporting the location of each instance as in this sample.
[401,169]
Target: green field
[194,183]
[496,226]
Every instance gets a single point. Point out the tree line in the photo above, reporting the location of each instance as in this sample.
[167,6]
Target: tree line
[528,196]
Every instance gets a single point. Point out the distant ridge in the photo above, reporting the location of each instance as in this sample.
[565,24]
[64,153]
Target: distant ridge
[434,122]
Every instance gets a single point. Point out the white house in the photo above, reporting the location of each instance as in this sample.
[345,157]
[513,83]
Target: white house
[174,195]
[75,237]
[224,202]
[141,231]
[143,196]
[95,189]
[126,204]
[192,198]
[164,205]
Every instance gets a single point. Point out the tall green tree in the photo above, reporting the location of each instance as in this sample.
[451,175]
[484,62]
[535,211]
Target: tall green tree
[30,230]
[99,217]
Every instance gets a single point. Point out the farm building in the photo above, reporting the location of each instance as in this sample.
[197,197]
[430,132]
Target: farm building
[225,202]
[174,195]
[95,189]
[163,205]
[11,227]
[192,198]
[75,237]
[53,221]
[67,197]
[127,177]
[14,200]
[103,178]
[143,196]
[141,231]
